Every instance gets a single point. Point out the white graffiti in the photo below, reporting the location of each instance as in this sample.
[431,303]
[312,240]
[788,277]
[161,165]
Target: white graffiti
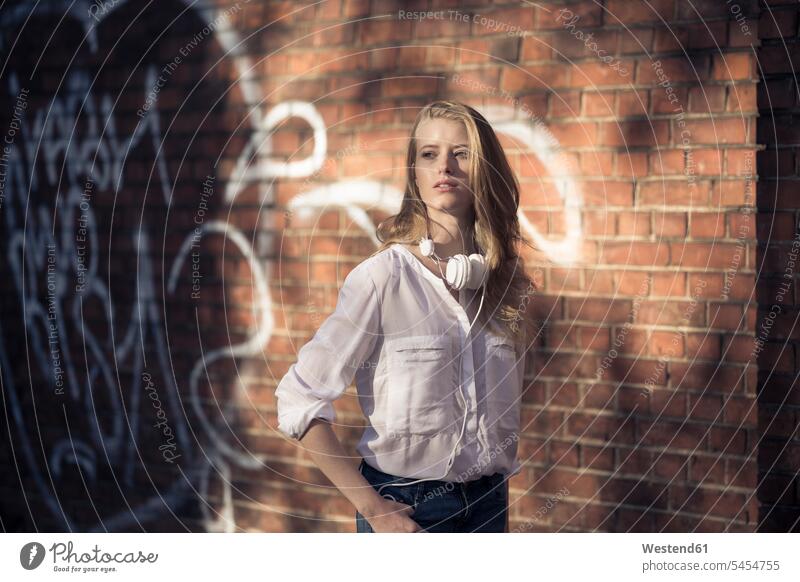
[50,142]
[543,145]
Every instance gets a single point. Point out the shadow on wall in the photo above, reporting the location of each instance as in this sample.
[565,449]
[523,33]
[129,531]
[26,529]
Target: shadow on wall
[777,265]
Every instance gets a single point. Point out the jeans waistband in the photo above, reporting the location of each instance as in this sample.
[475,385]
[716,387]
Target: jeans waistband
[388,478]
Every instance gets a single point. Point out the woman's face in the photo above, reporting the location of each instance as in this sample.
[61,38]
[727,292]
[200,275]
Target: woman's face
[442,164]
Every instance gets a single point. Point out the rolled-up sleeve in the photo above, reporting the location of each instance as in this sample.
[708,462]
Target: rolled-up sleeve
[327,363]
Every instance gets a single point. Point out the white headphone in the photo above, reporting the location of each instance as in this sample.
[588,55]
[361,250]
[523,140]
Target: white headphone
[463,272]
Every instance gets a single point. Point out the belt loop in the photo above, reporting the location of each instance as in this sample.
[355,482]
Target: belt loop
[463,487]
[417,492]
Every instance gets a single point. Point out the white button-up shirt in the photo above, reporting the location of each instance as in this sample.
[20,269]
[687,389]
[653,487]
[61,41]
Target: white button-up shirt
[400,332]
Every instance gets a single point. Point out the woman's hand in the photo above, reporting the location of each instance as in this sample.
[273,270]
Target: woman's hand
[387,516]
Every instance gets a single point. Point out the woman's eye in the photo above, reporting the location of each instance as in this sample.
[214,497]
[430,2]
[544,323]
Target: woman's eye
[429,155]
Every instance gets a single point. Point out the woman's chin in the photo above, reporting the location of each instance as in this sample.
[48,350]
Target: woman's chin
[450,201]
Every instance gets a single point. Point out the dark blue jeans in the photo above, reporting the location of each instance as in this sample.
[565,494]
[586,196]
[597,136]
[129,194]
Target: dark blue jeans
[442,506]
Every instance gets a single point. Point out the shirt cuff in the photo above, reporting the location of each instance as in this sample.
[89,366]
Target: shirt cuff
[294,424]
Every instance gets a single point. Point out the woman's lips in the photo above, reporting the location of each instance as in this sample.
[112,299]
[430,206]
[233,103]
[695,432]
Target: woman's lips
[445,187]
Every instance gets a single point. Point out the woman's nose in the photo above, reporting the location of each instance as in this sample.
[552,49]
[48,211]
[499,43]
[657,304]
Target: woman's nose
[444,166]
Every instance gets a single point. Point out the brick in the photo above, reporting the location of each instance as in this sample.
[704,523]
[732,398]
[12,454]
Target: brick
[633,164]
[715,132]
[599,104]
[667,162]
[707,469]
[740,410]
[705,162]
[522,17]
[660,312]
[599,281]
[774,163]
[633,223]
[672,435]
[707,255]
[473,51]
[741,35]
[671,467]
[733,66]
[597,458]
[408,86]
[740,162]
[778,59]
[730,193]
[667,403]
[669,39]
[705,346]
[673,70]
[593,426]
[633,103]
[375,32]
[530,78]
[444,28]
[706,501]
[638,11]
[707,225]
[598,309]
[594,74]
[707,98]
[636,41]
[673,193]
[574,134]
[742,98]
[774,24]
[565,104]
[635,253]
[550,16]
[669,224]
[662,102]
[597,163]
[634,283]
[535,48]
[669,284]
[729,440]
[633,133]
[708,35]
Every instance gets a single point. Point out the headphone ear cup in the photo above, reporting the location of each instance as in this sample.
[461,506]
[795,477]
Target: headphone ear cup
[426,247]
[457,271]
[466,272]
[451,273]
[477,271]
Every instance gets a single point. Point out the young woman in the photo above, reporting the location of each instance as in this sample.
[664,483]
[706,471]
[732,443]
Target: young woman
[434,335]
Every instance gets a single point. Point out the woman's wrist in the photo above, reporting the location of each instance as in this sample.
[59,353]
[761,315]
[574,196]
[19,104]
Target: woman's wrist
[366,501]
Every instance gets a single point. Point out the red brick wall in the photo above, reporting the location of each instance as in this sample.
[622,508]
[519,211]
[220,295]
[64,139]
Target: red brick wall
[640,407]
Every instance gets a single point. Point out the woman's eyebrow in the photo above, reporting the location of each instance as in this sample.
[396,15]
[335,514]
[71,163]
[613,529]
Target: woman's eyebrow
[433,145]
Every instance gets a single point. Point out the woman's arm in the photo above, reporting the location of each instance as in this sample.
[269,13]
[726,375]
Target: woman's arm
[384,515]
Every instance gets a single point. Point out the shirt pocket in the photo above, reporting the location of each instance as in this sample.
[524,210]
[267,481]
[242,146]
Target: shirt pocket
[502,389]
[422,384]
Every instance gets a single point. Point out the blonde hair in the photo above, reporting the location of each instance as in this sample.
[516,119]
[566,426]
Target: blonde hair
[496,226]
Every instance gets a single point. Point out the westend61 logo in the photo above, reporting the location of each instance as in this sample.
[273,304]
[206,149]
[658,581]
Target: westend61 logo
[66,560]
